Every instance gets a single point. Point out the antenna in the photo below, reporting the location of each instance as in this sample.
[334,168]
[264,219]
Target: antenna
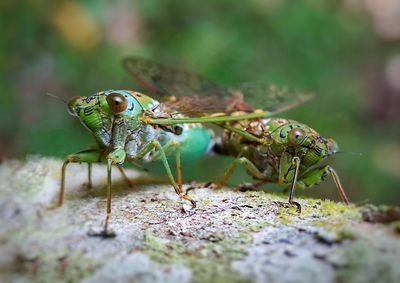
[349,152]
[56,97]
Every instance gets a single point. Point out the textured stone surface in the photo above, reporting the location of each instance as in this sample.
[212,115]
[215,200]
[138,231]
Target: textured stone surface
[230,237]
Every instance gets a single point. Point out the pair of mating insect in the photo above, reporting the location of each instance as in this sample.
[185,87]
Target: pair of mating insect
[130,126]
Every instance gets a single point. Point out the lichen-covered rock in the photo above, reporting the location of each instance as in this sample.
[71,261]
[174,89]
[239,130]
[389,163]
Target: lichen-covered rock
[230,237]
[138,267]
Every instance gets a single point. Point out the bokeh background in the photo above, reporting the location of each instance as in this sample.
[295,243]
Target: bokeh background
[346,51]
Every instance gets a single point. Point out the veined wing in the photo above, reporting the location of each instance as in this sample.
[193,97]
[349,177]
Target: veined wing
[272,98]
[194,96]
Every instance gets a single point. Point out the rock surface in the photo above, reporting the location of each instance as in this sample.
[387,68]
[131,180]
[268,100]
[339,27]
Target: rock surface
[230,237]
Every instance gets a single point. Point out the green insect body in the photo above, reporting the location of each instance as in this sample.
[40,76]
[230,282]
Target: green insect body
[291,153]
[114,119]
[131,126]
[272,150]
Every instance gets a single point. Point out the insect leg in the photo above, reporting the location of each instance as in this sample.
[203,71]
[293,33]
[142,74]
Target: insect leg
[89,183]
[160,154]
[86,156]
[296,163]
[167,147]
[244,134]
[178,166]
[108,212]
[126,179]
[341,191]
[319,174]
[115,157]
[288,172]
[250,167]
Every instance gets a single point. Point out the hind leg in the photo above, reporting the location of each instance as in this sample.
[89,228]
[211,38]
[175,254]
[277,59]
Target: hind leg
[251,169]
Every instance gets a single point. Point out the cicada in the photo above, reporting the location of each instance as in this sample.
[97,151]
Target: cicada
[275,150]
[115,118]
[128,125]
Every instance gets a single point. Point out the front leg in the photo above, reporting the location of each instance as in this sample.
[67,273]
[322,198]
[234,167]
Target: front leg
[319,174]
[115,157]
[288,172]
[160,154]
[172,145]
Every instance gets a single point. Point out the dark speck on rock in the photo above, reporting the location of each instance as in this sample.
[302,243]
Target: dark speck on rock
[289,253]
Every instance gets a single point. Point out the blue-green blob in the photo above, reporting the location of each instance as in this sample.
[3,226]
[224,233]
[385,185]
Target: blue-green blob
[195,143]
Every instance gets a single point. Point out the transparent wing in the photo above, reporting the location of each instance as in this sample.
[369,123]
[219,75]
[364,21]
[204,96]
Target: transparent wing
[192,95]
[165,81]
[272,98]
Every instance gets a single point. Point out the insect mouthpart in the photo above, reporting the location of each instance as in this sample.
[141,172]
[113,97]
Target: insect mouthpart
[72,104]
[332,147]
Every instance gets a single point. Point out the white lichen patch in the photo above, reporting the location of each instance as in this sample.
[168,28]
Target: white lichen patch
[286,254]
[141,268]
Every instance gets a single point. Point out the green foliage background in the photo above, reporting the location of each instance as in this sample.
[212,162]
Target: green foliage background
[318,45]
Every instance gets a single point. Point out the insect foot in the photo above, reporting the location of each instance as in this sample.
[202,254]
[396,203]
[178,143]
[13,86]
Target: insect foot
[53,206]
[289,205]
[102,233]
[188,198]
[214,186]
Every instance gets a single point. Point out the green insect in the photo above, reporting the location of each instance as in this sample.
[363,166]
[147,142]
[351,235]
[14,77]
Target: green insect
[130,126]
[281,151]
[115,119]
[271,149]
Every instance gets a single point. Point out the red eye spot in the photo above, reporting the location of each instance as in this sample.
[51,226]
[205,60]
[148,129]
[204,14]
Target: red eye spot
[117,102]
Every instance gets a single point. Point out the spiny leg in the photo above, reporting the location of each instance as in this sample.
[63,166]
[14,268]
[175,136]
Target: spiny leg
[319,174]
[85,156]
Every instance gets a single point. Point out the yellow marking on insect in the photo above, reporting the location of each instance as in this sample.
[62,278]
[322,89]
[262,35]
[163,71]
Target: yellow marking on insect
[145,119]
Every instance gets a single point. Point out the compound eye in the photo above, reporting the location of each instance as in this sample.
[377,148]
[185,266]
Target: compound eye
[296,137]
[117,102]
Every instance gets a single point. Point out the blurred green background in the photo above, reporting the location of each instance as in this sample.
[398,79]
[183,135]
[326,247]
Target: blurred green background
[346,51]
